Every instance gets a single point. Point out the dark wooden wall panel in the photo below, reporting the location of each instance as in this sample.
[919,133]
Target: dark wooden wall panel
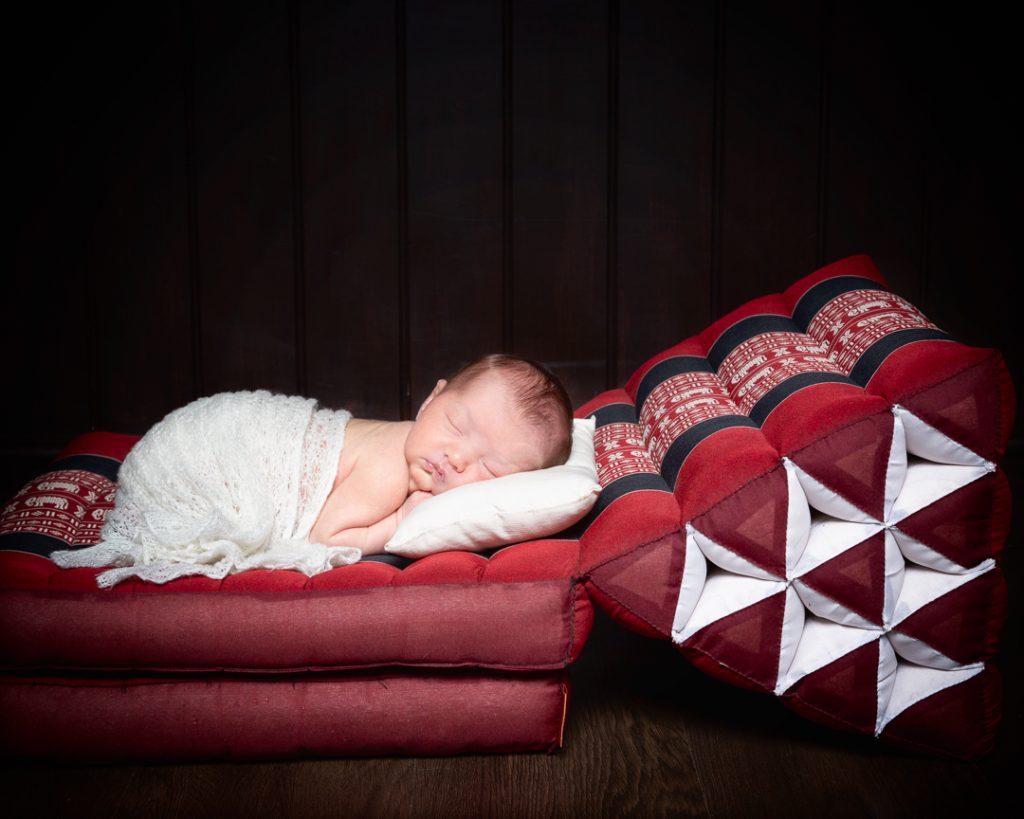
[560,178]
[349,200]
[770,115]
[244,214]
[139,257]
[454,67]
[877,151]
[48,305]
[972,269]
[349,205]
[665,131]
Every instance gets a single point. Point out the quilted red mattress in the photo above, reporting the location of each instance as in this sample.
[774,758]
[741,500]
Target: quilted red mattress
[455,652]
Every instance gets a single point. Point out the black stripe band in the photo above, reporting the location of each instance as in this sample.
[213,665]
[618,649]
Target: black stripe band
[664,370]
[748,328]
[871,359]
[100,464]
[824,291]
[615,414]
[775,396]
[610,494]
[34,542]
[682,446]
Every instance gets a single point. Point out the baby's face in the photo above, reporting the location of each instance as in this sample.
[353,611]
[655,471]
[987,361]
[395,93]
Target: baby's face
[470,434]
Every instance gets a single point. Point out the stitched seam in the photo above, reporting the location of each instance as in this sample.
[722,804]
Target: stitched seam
[586,576]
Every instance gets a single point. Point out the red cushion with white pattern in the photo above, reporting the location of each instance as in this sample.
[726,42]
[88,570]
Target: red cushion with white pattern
[834,456]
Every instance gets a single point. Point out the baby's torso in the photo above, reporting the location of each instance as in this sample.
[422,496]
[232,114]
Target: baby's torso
[376,451]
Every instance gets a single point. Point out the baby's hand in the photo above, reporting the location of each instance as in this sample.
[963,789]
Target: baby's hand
[415,499]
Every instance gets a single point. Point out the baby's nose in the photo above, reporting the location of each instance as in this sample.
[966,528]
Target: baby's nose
[456,460]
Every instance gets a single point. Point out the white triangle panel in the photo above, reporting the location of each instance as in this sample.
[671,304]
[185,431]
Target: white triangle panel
[792,630]
[895,577]
[727,559]
[896,472]
[695,571]
[927,482]
[798,517]
[821,643]
[915,682]
[886,681]
[829,538]
[828,501]
[725,593]
[926,441]
[921,653]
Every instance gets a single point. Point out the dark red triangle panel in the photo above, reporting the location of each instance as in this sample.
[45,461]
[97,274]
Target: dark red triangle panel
[853,461]
[845,690]
[959,721]
[968,407]
[646,580]
[855,578]
[752,521]
[968,525]
[747,641]
[964,624]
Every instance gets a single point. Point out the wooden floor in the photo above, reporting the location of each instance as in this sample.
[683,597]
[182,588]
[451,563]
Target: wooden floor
[647,735]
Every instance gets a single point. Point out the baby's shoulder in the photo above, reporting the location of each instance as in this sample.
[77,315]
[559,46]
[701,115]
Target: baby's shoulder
[372,459]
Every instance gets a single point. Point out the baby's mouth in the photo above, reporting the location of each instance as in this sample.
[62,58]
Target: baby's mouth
[436,472]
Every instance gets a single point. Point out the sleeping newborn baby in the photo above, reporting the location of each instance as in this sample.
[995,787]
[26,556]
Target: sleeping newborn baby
[251,479]
[495,416]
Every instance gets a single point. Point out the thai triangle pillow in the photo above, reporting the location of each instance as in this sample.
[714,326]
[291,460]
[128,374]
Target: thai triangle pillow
[835,458]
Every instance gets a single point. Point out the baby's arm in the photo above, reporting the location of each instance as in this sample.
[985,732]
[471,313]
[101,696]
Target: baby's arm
[370,539]
[339,523]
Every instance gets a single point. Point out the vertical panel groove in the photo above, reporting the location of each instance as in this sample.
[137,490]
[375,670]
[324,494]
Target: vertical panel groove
[612,209]
[298,195]
[192,197]
[714,298]
[824,100]
[404,375]
[927,161]
[507,197]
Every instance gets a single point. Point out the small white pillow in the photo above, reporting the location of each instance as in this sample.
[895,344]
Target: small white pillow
[510,509]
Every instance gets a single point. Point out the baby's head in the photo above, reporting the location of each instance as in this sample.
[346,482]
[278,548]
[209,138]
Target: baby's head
[497,415]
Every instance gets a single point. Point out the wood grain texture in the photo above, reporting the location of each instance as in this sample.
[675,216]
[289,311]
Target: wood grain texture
[350,205]
[455,187]
[666,110]
[139,235]
[47,306]
[560,179]
[769,164]
[877,150]
[967,72]
[350,199]
[244,180]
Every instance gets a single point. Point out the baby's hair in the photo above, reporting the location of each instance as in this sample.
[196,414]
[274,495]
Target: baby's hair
[539,396]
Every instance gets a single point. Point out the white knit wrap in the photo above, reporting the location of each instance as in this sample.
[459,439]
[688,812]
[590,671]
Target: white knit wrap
[229,482]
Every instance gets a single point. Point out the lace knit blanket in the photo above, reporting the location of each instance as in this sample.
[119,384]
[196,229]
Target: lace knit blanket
[229,482]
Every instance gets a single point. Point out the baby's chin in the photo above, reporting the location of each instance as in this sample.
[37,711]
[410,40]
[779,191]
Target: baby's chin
[448,486]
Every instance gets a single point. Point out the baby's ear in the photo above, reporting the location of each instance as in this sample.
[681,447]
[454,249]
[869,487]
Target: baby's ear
[441,384]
